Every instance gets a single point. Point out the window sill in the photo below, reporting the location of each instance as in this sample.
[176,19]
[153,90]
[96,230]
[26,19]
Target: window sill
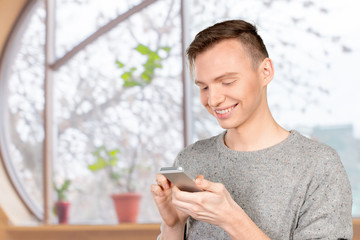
[97,232]
[89,232]
[356,224]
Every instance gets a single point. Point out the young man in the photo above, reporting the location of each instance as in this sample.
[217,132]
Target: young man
[260,181]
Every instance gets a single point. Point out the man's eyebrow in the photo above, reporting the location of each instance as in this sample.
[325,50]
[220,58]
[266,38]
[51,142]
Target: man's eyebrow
[225,75]
[197,82]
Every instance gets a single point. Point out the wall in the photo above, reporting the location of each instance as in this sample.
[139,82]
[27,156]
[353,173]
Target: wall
[9,11]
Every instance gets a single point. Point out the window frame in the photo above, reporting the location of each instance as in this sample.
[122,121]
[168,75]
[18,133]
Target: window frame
[6,60]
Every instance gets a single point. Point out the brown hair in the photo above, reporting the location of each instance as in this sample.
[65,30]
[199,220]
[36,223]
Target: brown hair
[245,32]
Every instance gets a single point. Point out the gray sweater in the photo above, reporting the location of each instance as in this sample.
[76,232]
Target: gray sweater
[297,189]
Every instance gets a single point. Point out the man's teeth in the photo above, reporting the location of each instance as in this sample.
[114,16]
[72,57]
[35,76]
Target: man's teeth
[224,111]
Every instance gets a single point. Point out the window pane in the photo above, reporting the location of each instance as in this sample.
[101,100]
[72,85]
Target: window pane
[76,20]
[25,104]
[314,49]
[94,109]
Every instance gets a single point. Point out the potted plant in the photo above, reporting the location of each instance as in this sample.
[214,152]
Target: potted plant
[62,206]
[126,200]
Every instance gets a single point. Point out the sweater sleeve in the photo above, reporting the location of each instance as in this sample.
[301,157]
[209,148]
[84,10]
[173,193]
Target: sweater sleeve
[326,211]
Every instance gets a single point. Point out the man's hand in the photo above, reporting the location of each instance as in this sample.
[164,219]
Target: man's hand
[162,194]
[214,205]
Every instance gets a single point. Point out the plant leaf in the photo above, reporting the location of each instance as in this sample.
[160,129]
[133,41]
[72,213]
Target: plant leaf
[153,56]
[145,76]
[100,164]
[166,49]
[129,84]
[119,64]
[66,185]
[114,152]
[126,76]
[143,49]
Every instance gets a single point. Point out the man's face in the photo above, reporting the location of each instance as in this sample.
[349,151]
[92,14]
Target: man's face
[230,89]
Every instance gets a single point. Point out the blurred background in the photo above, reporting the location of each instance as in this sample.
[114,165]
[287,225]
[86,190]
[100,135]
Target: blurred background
[100,91]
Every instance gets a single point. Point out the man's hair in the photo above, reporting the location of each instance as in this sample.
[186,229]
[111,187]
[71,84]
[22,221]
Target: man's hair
[245,32]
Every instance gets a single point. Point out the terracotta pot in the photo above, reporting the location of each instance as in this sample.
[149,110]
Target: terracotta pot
[62,211]
[127,206]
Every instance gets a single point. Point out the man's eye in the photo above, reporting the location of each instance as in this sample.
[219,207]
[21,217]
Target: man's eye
[227,83]
[204,88]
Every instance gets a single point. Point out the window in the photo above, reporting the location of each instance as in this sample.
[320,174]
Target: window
[312,45]
[92,106]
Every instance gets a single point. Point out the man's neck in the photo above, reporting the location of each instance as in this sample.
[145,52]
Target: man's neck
[261,133]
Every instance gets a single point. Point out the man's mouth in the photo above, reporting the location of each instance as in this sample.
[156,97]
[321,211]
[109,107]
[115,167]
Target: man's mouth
[223,112]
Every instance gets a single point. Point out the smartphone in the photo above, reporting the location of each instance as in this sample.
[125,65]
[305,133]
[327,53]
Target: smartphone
[178,177]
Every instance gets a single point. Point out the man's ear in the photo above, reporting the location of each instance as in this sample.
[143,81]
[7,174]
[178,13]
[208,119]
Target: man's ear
[266,71]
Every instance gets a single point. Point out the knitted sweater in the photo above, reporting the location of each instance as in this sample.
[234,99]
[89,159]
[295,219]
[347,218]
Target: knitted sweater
[297,189]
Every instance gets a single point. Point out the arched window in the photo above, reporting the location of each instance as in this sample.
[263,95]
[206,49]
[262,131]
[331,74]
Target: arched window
[104,95]
[117,82]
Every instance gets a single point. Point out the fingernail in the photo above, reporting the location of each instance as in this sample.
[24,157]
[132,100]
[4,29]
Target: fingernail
[199,181]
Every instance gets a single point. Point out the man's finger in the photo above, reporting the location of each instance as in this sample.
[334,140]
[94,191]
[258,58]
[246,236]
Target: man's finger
[162,181]
[156,190]
[207,185]
[200,177]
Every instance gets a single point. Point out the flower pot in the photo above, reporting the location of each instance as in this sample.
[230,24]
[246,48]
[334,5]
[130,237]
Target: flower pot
[62,211]
[127,206]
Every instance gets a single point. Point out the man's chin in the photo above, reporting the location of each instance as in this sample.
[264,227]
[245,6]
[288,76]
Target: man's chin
[224,124]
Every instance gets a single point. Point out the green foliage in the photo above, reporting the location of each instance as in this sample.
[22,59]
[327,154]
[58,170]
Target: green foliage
[61,191]
[107,159]
[153,61]
[119,64]
[104,158]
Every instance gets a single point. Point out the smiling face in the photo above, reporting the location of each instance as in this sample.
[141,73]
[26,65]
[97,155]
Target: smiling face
[230,88]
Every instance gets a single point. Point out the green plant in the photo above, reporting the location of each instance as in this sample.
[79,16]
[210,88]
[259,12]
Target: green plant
[62,190]
[107,160]
[153,61]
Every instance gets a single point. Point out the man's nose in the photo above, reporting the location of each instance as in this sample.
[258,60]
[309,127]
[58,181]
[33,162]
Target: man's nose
[215,97]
